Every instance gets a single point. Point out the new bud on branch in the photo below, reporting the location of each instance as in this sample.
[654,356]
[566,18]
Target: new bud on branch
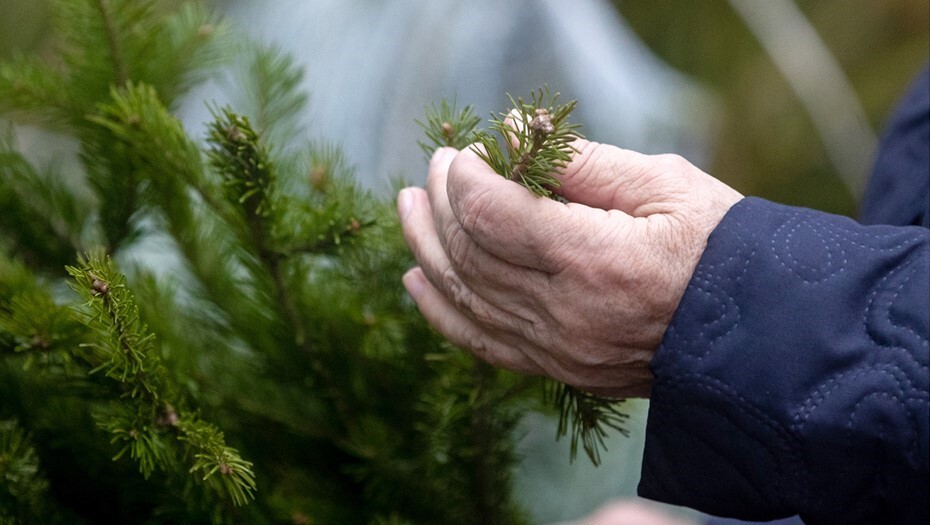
[537,143]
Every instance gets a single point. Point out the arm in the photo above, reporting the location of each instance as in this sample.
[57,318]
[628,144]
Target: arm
[793,377]
[584,293]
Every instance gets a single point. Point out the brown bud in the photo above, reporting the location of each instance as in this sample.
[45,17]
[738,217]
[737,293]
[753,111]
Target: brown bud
[354,225]
[447,130]
[168,417]
[235,134]
[299,518]
[205,30]
[319,177]
[225,469]
[99,286]
[542,122]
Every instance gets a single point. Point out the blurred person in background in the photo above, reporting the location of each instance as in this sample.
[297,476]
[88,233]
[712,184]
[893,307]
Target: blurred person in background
[374,66]
[784,351]
[371,69]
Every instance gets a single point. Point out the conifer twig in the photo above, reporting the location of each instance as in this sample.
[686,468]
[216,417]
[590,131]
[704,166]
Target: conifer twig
[447,126]
[116,53]
[22,485]
[537,140]
[146,421]
[239,155]
[537,143]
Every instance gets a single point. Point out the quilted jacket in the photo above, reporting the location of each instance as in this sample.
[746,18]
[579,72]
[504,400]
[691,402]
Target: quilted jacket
[793,379]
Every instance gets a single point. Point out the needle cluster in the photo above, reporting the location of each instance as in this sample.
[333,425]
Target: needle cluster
[537,139]
[253,345]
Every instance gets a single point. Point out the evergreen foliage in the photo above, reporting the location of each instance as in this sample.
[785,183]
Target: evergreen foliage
[265,365]
[22,486]
[537,138]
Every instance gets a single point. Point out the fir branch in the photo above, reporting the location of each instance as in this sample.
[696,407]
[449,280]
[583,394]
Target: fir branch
[160,153]
[188,46]
[41,217]
[37,324]
[137,140]
[239,155]
[446,126]
[145,421]
[537,140]
[108,43]
[30,91]
[487,500]
[113,44]
[93,49]
[136,116]
[125,349]
[23,488]
[245,166]
[272,97]
[468,418]
[327,164]
[588,416]
[212,456]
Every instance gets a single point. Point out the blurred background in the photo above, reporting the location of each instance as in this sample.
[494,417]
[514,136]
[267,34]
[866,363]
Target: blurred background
[780,99]
[717,95]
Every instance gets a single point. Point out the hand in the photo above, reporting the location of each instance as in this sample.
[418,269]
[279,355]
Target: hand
[632,512]
[581,292]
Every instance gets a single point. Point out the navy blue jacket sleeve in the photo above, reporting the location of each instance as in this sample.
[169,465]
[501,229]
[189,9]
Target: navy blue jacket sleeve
[899,190]
[793,378]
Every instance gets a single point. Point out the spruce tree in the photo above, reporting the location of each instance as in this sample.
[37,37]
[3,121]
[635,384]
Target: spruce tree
[267,367]
[271,369]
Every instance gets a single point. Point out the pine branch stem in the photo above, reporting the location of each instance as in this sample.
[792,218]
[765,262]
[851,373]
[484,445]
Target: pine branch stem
[485,509]
[288,307]
[523,163]
[116,52]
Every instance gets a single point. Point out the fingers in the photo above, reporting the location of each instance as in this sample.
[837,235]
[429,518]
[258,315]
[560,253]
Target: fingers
[506,220]
[424,241]
[605,177]
[481,268]
[599,175]
[450,257]
[488,290]
[461,330]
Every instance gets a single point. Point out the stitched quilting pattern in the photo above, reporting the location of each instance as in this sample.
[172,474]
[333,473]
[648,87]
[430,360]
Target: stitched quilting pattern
[801,346]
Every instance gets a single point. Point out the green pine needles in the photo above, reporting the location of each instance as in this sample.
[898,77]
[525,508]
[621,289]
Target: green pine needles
[23,488]
[243,163]
[537,141]
[148,420]
[447,126]
[208,328]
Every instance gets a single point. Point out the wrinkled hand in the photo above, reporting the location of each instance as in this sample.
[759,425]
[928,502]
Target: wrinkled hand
[632,512]
[581,292]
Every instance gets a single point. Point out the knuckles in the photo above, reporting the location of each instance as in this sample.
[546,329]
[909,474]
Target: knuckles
[672,163]
[472,208]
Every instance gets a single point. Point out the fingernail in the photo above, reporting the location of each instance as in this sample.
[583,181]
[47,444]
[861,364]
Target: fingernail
[442,156]
[413,282]
[404,203]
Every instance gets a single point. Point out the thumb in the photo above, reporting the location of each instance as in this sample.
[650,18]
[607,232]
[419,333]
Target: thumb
[605,176]
[506,220]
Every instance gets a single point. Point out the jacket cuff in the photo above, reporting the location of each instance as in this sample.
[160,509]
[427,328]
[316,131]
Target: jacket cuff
[793,376]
